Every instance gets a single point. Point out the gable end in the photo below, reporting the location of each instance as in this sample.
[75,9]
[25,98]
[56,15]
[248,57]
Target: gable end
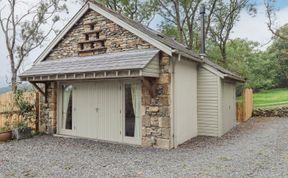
[65,46]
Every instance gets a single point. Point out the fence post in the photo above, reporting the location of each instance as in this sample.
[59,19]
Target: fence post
[247,103]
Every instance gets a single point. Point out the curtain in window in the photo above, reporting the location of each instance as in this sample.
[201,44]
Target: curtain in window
[135,104]
[67,91]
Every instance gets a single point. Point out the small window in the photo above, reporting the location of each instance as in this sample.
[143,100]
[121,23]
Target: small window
[81,46]
[86,37]
[97,35]
[102,44]
[91,45]
[91,27]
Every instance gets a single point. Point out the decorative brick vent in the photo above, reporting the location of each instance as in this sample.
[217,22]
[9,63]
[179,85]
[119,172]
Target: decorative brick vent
[92,41]
[94,34]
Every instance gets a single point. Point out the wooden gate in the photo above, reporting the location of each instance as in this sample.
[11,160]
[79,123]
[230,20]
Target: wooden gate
[245,107]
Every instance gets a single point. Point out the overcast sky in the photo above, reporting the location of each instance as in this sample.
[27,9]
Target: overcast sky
[251,28]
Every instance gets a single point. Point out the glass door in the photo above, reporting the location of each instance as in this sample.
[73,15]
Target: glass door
[66,108]
[132,103]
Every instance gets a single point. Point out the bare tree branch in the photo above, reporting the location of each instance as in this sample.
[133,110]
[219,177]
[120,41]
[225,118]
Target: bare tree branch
[270,13]
[24,32]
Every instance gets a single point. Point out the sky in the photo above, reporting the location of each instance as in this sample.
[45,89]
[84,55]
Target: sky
[248,27]
[255,28]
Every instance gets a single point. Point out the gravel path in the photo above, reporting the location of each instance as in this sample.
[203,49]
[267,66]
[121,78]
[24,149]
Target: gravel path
[257,148]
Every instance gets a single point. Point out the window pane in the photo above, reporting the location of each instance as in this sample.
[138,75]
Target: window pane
[130,105]
[67,106]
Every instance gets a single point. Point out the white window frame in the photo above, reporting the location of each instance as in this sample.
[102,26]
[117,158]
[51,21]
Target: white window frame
[60,129]
[138,118]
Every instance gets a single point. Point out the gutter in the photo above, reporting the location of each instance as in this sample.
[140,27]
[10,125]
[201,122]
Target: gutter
[235,78]
[172,108]
[194,58]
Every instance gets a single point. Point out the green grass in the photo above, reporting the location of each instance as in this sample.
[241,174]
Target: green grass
[270,98]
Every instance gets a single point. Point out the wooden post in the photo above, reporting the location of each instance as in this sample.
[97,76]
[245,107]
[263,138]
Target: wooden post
[37,104]
[239,111]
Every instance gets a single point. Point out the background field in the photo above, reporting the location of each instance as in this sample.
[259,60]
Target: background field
[270,98]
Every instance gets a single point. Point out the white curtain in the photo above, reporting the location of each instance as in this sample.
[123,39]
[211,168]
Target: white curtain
[66,97]
[135,104]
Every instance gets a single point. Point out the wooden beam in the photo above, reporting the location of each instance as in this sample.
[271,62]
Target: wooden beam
[90,75]
[46,92]
[38,88]
[37,112]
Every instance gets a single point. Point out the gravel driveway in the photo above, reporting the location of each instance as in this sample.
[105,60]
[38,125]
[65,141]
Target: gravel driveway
[257,148]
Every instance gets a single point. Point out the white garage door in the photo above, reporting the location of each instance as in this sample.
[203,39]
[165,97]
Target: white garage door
[229,106]
[95,110]
[98,106]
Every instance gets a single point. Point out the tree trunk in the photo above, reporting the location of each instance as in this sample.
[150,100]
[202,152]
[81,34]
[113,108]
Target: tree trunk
[14,81]
[178,22]
[224,54]
[13,72]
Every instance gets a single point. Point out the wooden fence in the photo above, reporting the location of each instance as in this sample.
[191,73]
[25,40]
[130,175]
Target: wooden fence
[245,107]
[6,108]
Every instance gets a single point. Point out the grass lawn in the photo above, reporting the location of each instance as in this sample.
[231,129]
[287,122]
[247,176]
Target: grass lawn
[270,98]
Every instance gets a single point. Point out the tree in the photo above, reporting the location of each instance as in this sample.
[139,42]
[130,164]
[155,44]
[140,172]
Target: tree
[26,31]
[225,16]
[138,10]
[182,16]
[244,58]
[279,53]
[271,15]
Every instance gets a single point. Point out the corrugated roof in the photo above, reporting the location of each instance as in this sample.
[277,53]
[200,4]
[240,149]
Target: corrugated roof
[127,60]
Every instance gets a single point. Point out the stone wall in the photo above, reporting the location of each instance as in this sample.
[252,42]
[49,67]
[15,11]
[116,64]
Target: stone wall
[271,112]
[156,108]
[48,110]
[117,38]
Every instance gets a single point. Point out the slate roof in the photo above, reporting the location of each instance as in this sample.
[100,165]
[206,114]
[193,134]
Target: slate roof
[169,42]
[127,60]
[180,48]
[154,34]
[223,70]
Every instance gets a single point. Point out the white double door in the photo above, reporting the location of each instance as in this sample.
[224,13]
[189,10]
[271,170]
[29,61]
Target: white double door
[99,112]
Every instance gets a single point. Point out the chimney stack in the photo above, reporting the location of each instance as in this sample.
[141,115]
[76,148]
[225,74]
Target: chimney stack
[202,36]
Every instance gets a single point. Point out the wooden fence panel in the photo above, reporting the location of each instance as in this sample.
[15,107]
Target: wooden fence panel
[245,108]
[6,101]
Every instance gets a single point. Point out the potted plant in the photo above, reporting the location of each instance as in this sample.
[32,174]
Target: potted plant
[5,133]
[25,112]
[21,130]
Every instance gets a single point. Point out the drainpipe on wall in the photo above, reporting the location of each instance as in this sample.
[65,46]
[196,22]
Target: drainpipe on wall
[202,36]
[172,122]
